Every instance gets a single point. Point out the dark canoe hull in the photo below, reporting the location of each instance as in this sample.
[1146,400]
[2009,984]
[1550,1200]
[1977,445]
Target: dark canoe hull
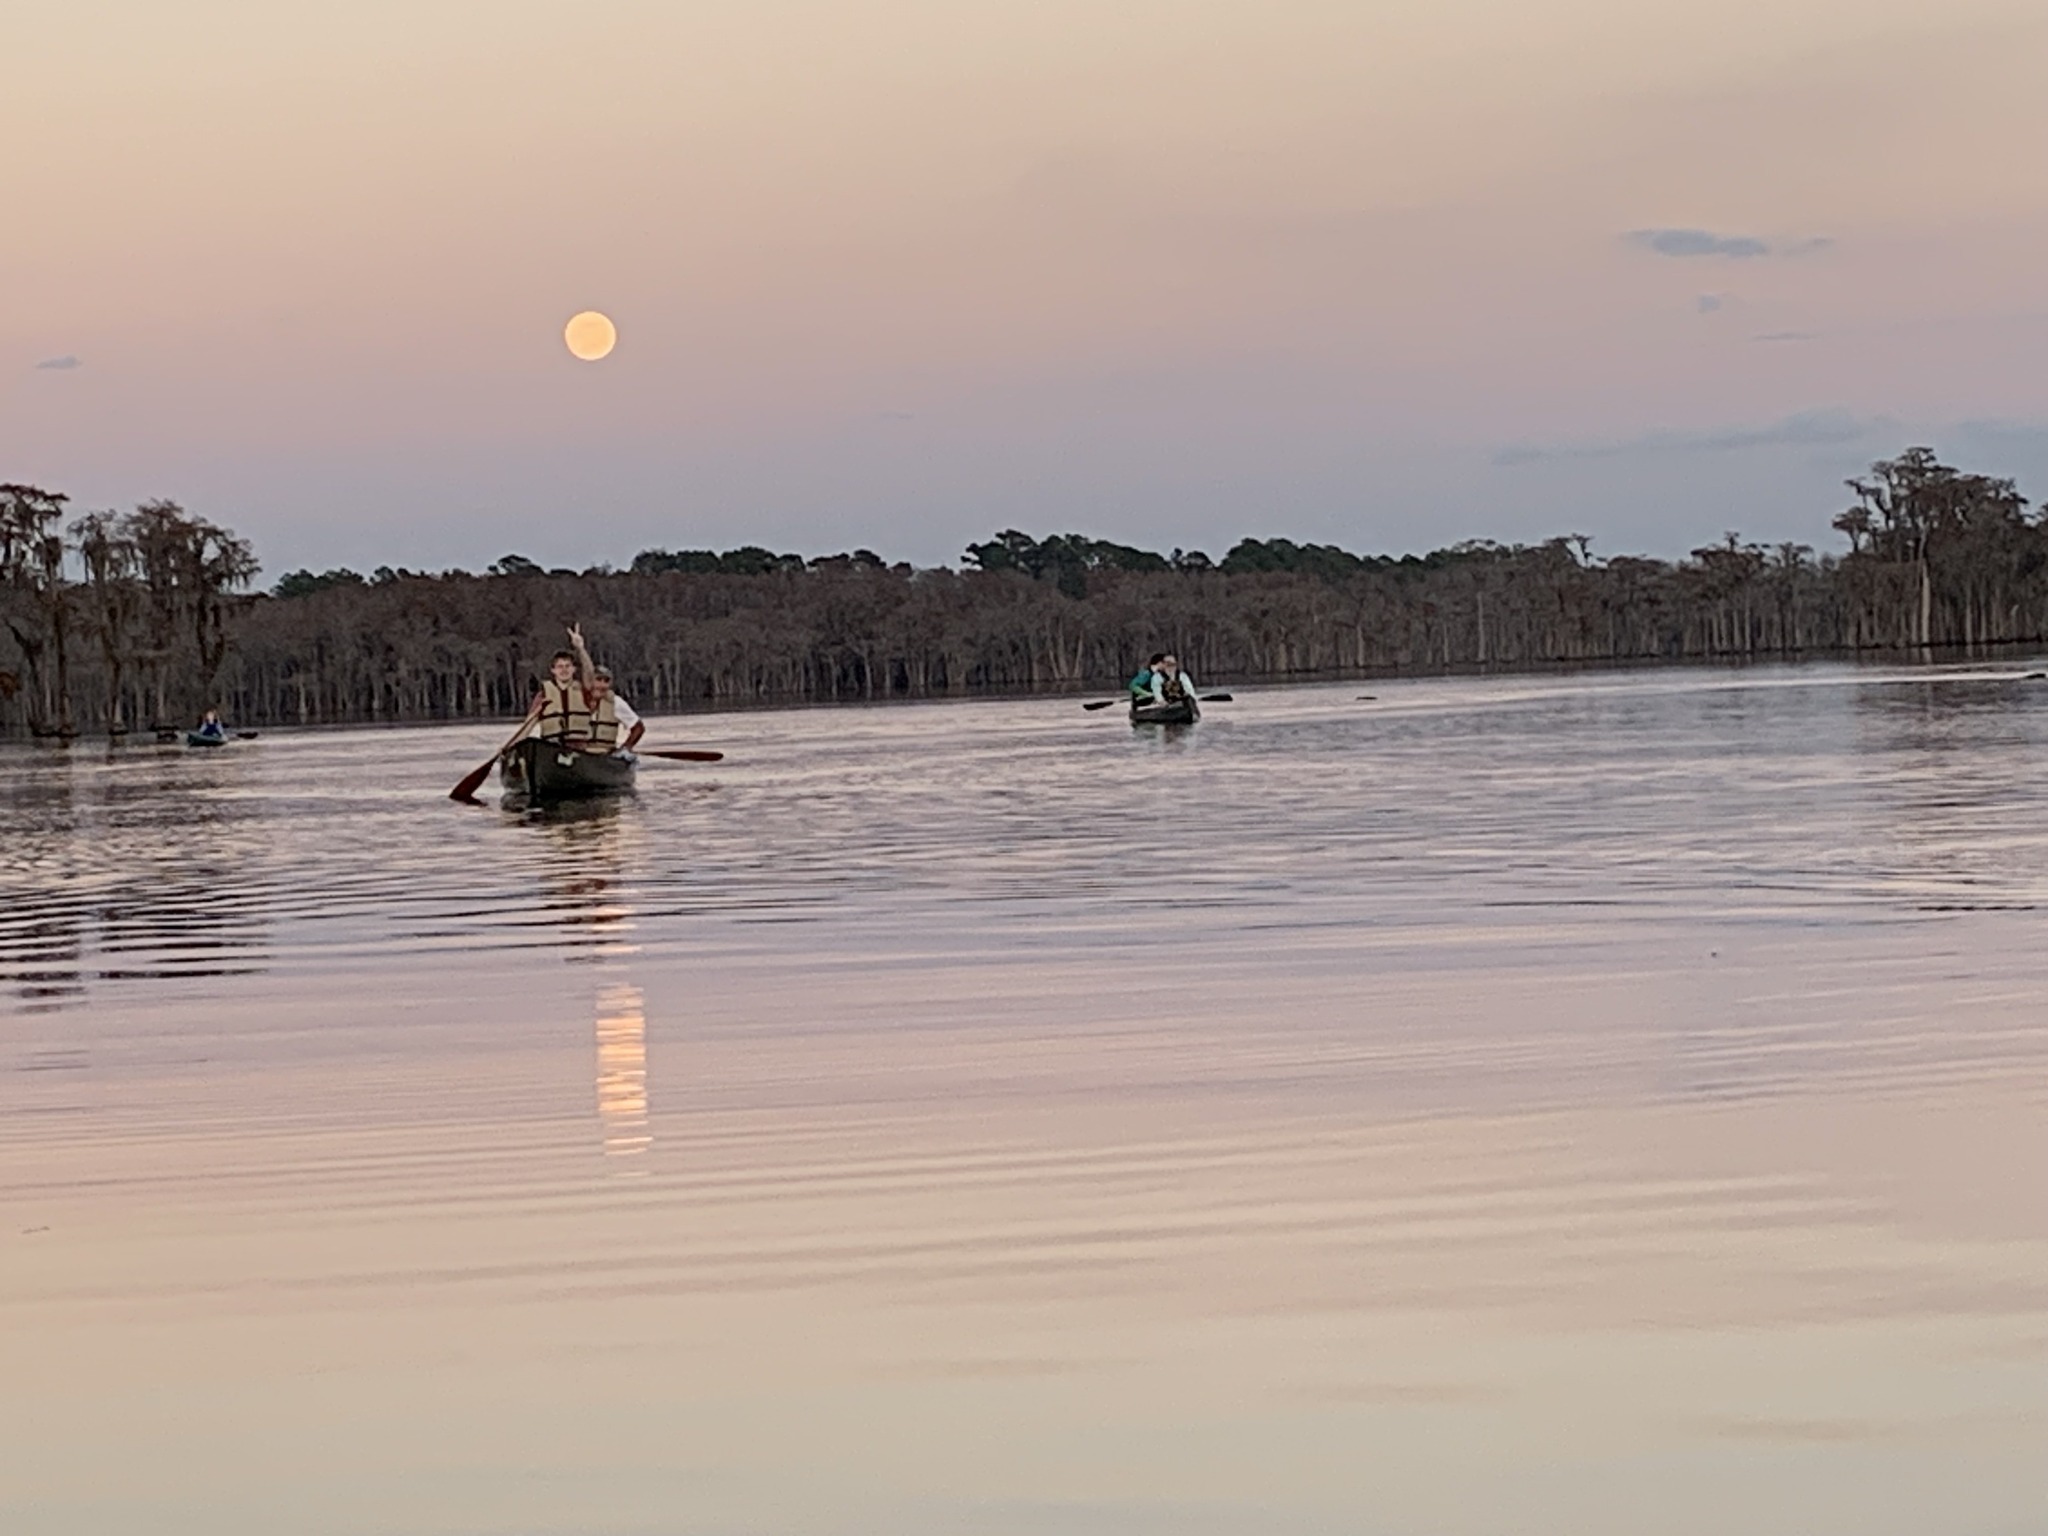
[546,774]
[1182,712]
[194,739]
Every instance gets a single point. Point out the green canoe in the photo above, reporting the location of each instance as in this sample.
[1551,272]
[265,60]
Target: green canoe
[1179,712]
[545,773]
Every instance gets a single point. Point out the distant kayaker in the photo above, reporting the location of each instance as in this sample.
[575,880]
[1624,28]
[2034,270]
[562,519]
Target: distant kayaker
[1141,685]
[1170,685]
[210,727]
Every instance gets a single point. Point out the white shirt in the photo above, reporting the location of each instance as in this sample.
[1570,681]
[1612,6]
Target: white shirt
[627,718]
[1187,681]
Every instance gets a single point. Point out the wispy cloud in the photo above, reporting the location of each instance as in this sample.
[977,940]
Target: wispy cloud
[1777,336]
[1806,429]
[1708,303]
[1698,242]
[1694,243]
[59,364]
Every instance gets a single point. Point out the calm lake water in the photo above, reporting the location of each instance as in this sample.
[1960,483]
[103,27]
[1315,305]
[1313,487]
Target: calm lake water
[1612,1105]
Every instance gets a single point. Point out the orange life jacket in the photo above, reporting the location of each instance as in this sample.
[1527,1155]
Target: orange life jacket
[564,713]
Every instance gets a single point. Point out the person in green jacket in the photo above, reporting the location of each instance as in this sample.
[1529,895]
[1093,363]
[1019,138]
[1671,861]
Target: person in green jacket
[1141,685]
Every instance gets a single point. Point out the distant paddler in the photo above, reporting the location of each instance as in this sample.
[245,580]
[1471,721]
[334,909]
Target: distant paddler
[1162,690]
[1170,697]
[211,733]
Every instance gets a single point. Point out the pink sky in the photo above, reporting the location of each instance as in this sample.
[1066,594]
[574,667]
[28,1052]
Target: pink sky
[901,273]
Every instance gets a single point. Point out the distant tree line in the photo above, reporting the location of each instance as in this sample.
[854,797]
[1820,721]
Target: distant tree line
[117,618]
[120,620]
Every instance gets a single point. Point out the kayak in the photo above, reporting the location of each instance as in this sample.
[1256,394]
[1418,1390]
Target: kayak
[1179,712]
[195,739]
[545,773]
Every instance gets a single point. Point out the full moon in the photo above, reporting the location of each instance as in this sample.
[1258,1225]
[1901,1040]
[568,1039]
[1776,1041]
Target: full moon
[590,336]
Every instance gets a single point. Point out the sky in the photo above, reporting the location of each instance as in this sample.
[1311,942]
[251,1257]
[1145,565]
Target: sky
[901,273]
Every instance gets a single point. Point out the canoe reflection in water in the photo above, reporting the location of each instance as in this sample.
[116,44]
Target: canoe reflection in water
[584,849]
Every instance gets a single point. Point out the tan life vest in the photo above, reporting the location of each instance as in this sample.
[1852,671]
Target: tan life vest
[604,723]
[564,712]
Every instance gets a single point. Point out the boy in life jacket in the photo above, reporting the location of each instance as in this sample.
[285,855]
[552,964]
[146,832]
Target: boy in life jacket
[561,711]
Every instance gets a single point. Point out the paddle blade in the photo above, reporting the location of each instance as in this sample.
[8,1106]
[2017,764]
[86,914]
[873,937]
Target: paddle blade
[472,782]
[681,755]
[1215,698]
[1102,704]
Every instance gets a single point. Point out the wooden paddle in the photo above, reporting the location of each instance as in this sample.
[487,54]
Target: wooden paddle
[1207,698]
[472,781]
[679,754]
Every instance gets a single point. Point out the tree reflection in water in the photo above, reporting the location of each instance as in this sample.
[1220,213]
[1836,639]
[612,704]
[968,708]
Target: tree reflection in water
[122,874]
